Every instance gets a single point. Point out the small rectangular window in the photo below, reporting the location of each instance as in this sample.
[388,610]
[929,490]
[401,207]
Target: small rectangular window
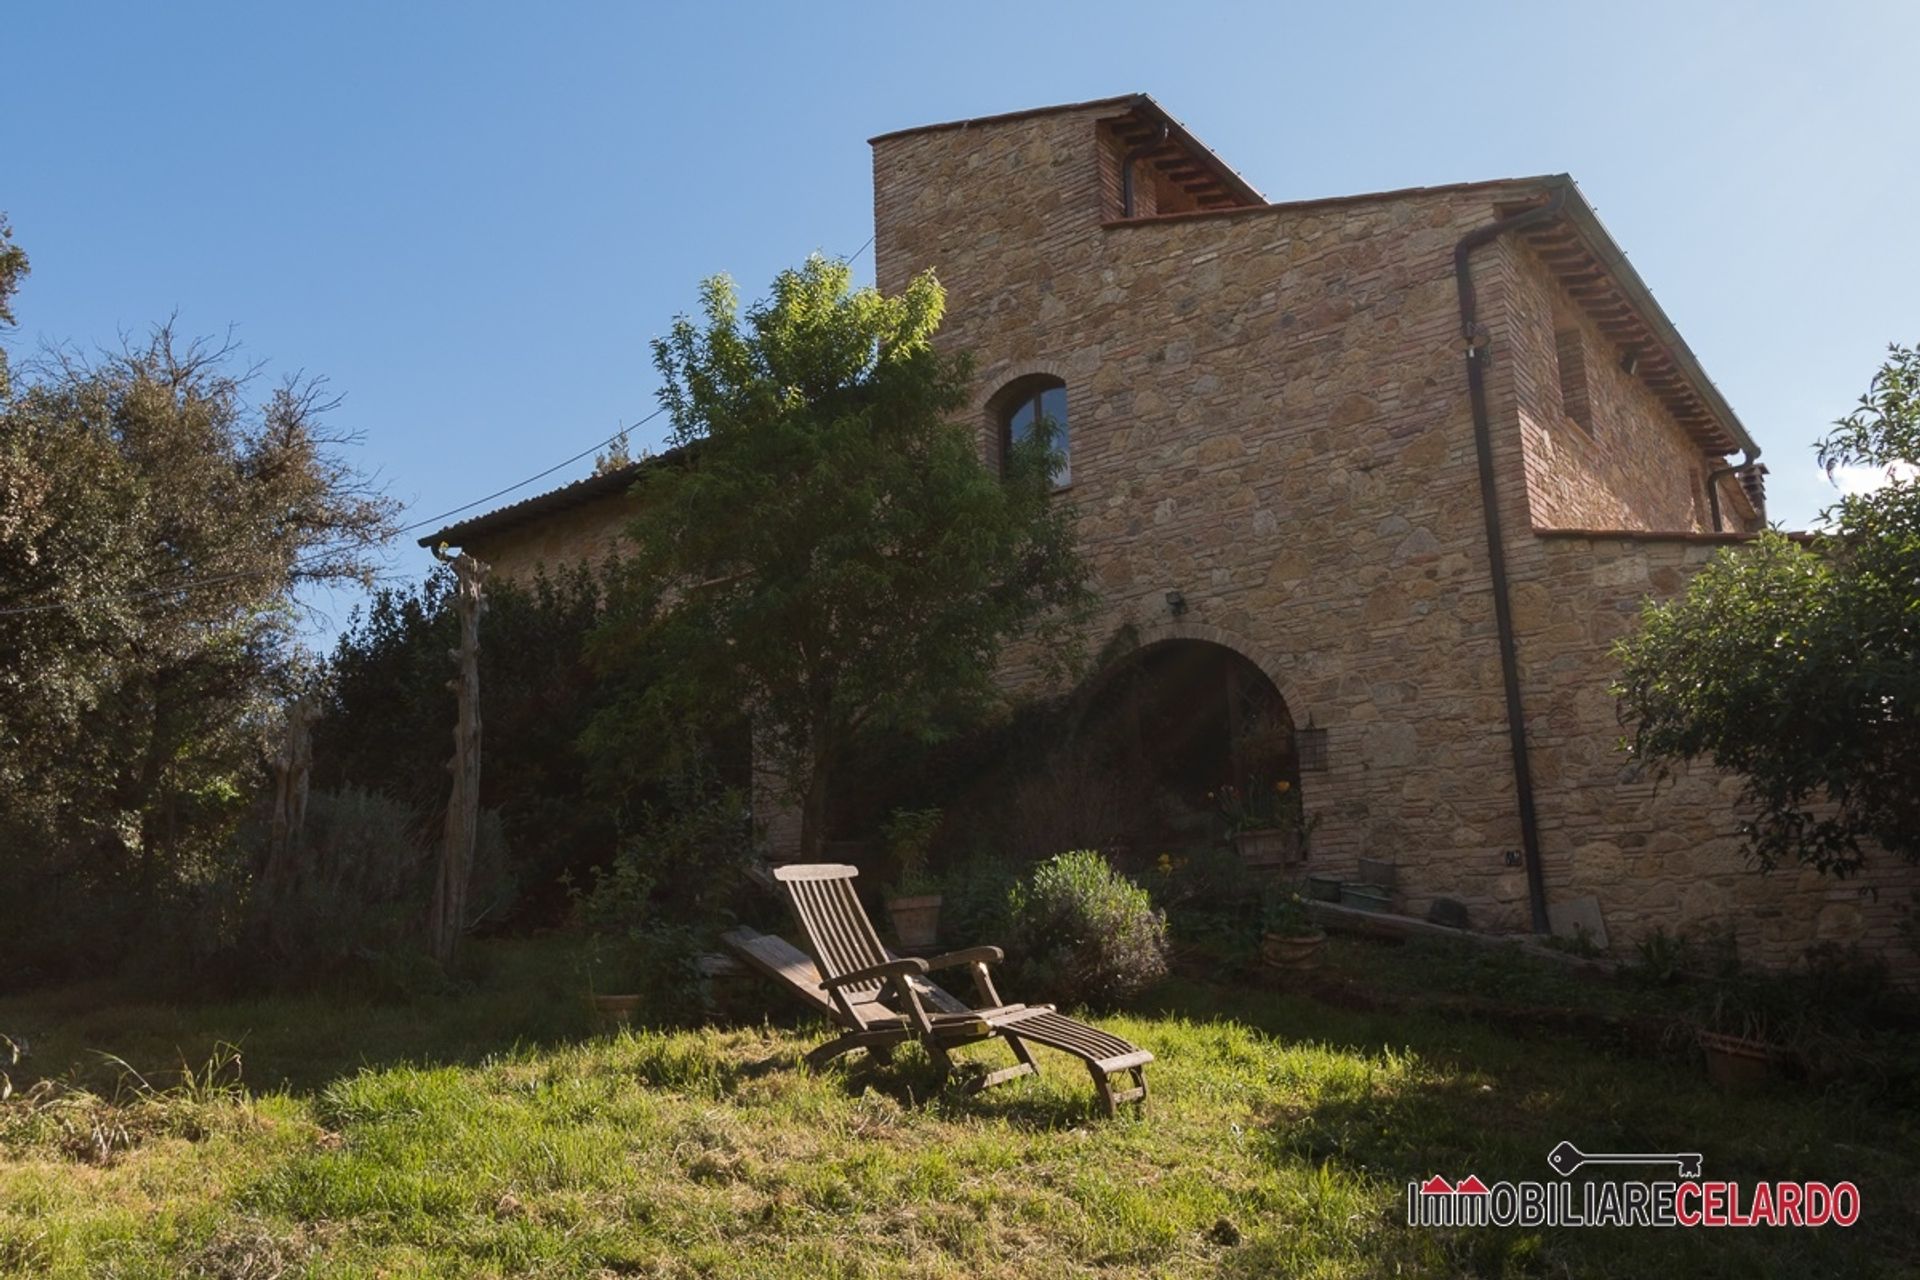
[1571,353]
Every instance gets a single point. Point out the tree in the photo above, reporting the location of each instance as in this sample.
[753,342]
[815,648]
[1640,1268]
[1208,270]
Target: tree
[823,550]
[13,265]
[154,528]
[1795,663]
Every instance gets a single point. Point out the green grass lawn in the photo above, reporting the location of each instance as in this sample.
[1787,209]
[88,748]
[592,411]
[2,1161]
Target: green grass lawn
[491,1134]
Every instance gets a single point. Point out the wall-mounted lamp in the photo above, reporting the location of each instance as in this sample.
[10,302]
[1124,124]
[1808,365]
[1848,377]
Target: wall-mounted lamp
[1176,603]
[1629,361]
[1311,745]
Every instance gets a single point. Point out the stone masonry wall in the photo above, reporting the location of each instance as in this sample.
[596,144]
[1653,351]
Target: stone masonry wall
[1268,414]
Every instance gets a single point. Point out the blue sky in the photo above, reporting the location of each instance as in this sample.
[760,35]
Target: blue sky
[473,217]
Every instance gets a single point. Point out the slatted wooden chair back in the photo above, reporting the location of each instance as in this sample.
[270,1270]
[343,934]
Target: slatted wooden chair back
[838,930]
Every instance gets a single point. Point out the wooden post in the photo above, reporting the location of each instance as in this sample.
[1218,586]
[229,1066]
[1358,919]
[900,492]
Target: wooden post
[448,918]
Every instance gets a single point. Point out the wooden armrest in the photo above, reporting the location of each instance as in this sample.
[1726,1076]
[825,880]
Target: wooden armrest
[888,969]
[969,955]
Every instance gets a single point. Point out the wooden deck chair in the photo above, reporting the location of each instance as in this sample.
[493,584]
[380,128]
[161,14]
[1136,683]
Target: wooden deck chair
[880,1000]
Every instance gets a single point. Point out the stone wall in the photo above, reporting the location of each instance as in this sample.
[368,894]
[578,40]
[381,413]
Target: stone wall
[1268,414]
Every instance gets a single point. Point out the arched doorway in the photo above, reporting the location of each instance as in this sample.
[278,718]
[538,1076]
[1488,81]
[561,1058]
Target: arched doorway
[1202,737]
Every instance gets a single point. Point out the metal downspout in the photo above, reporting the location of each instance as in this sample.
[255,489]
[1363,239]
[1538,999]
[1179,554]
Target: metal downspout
[1713,485]
[1496,546]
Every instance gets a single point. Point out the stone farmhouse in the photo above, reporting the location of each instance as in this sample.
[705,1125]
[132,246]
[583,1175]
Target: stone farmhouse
[1395,468]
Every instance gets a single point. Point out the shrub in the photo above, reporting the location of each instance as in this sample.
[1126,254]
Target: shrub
[658,961]
[1212,902]
[973,905]
[909,836]
[672,885]
[685,865]
[1086,934]
[354,893]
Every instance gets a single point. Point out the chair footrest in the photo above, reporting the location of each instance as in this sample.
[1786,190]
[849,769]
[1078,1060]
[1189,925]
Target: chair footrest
[1093,1046]
[1126,1061]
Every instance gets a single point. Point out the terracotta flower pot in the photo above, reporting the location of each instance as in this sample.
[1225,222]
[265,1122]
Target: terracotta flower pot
[1735,1062]
[1266,847]
[1293,951]
[616,1011]
[916,920]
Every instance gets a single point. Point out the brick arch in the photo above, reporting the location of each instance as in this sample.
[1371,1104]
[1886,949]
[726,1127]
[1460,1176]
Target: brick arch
[1181,629]
[1172,629]
[1210,709]
[992,400]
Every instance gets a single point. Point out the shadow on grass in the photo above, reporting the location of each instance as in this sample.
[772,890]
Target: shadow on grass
[1500,1124]
[521,996]
[910,1078]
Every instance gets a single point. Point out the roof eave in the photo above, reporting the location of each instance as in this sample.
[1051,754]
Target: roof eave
[1577,211]
[1140,102]
[606,484]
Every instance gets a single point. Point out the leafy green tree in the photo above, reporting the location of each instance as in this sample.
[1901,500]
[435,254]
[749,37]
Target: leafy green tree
[824,550]
[155,527]
[1795,663]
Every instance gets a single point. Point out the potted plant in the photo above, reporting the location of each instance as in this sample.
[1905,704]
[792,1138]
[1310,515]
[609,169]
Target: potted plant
[1265,822]
[1290,939]
[612,1010]
[913,905]
[1733,1031]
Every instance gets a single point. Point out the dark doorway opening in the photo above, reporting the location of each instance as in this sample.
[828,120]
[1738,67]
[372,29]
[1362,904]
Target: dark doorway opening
[1198,732]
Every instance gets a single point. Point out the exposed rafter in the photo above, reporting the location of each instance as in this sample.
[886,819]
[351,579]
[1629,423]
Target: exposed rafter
[1594,286]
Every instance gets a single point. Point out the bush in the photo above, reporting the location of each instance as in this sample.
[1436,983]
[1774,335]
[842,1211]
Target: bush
[658,961]
[354,893]
[670,888]
[973,904]
[1084,933]
[1213,904]
[686,865]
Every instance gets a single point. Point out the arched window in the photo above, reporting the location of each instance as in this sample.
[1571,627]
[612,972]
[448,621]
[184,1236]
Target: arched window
[1030,405]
